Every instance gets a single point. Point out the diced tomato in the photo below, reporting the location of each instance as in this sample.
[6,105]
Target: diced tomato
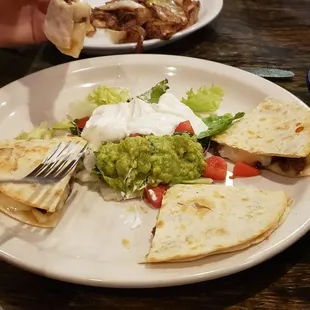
[243,170]
[185,127]
[134,135]
[154,195]
[216,168]
[82,122]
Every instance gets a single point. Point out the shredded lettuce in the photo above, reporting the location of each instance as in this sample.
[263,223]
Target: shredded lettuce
[108,95]
[218,124]
[44,132]
[205,100]
[63,125]
[69,126]
[80,109]
[102,95]
[153,95]
[40,132]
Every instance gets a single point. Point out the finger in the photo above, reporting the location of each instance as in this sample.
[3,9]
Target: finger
[37,28]
[43,5]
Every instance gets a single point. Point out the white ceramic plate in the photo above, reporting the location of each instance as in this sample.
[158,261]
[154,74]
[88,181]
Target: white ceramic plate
[101,43]
[89,244]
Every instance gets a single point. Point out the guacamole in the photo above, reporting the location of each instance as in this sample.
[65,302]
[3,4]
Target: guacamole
[134,162]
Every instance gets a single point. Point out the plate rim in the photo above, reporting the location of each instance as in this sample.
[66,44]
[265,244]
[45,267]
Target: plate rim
[283,244]
[181,281]
[157,42]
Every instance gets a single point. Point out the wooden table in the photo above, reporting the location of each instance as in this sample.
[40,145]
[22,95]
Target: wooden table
[247,32]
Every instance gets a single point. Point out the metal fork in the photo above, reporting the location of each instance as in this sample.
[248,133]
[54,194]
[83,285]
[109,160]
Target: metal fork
[59,163]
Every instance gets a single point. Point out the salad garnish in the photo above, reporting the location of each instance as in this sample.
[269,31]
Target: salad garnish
[75,127]
[205,100]
[104,94]
[40,132]
[218,124]
[153,95]
[243,170]
[146,165]
[101,95]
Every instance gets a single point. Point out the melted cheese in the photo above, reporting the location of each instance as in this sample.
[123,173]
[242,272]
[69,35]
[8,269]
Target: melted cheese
[40,217]
[239,155]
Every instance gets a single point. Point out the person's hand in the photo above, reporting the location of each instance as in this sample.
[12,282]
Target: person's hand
[21,22]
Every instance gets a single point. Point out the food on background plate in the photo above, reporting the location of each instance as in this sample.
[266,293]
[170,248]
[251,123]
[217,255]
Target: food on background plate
[36,204]
[66,24]
[135,21]
[196,221]
[274,136]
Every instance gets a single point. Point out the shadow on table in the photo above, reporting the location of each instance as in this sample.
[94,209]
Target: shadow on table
[34,292]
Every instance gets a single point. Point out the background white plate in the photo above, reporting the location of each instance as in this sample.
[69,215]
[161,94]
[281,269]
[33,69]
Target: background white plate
[87,245]
[101,43]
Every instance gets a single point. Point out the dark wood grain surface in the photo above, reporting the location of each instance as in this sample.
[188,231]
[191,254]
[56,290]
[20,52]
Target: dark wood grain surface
[273,33]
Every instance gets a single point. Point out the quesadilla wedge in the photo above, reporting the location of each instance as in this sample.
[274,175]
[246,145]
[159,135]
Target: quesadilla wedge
[196,221]
[66,24]
[274,136]
[36,203]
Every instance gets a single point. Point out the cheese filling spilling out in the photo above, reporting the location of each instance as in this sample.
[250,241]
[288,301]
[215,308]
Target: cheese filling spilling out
[295,165]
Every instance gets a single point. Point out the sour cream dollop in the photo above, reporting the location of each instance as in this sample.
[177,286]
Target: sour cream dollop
[117,121]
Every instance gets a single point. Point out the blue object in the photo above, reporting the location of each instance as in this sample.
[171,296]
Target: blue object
[308,80]
[270,73]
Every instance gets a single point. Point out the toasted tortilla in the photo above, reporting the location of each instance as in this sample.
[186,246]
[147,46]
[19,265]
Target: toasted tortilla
[35,204]
[31,216]
[273,129]
[247,244]
[270,129]
[66,24]
[197,221]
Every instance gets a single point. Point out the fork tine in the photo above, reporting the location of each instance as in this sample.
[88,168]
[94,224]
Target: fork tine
[49,165]
[69,160]
[62,160]
[53,153]
[34,172]
[71,165]
[58,165]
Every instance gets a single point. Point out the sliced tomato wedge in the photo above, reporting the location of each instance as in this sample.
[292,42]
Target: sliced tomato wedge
[134,135]
[243,170]
[154,195]
[82,122]
[216,168]
[185,127]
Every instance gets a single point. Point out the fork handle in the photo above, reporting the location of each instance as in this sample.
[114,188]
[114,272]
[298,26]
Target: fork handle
[28,180]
